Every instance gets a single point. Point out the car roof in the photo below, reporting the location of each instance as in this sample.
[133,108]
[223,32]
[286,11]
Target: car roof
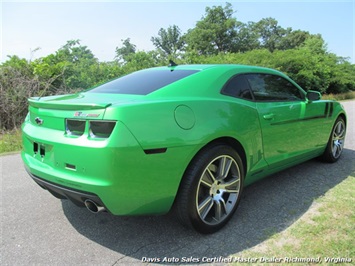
[224,66]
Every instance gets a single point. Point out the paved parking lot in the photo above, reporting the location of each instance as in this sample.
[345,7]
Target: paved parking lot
[37,228]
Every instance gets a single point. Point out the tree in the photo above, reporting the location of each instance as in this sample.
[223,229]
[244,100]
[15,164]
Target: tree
[293,39]
[127,48]
[17,83]
[141,60]
[315,44]
[215,32]
[342,75]
[246,38]
[68,68]
[73,52]
[270,33]
[169,41]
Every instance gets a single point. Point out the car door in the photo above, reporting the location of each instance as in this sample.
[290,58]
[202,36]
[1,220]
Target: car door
[283,113]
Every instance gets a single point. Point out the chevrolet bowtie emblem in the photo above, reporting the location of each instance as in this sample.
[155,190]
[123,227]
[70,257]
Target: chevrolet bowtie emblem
[38,121]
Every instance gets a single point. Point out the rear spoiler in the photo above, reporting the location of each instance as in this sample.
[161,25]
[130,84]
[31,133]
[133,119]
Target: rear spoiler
[66,105]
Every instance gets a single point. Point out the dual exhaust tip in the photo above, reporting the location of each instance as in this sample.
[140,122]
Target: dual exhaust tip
[93,207]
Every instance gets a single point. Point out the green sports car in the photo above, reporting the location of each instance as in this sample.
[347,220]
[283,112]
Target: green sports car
[184,138]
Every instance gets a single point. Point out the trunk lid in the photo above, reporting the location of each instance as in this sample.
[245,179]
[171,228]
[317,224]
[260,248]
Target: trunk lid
[52,111]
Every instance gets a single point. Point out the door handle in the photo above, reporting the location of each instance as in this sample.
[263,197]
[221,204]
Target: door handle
[268,116]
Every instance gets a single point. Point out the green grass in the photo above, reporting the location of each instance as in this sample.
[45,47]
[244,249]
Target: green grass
[339,97]
[326,230]
[10,141]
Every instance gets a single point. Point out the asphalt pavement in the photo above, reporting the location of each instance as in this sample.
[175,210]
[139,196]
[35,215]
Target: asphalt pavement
[37,228]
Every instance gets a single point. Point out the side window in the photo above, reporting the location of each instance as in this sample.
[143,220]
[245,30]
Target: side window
[267,87]
[238,87]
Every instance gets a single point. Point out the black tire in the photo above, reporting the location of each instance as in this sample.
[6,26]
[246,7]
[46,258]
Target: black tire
[335,144]
[206,184]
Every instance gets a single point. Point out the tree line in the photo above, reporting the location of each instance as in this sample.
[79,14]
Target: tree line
[217,38]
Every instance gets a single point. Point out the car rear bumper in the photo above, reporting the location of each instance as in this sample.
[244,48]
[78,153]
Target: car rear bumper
[61,192]
[115,173]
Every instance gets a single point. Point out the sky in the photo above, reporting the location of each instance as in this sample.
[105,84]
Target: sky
[101,25]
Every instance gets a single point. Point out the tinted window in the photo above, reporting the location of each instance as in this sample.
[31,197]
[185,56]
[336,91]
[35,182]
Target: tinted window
[143,82]
[273,88]
[238,86]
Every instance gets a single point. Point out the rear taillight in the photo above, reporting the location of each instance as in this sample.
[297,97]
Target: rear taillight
[101,129]
[74,127]
[97,129]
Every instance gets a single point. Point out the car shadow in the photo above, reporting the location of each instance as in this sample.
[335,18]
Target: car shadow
[267,207]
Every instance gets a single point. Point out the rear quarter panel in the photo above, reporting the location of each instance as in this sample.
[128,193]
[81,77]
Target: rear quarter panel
[154,126]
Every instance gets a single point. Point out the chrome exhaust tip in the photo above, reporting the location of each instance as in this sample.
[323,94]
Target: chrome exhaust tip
[93,207]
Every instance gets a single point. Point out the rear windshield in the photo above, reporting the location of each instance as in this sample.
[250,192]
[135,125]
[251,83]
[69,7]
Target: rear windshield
[143,82]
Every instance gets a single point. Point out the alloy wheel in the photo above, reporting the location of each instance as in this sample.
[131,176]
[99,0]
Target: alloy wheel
[218,190]
[338,137]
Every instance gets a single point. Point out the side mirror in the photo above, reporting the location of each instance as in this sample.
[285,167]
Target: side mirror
[313,95]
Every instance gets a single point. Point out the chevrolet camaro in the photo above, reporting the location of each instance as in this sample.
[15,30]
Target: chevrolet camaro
[184,138]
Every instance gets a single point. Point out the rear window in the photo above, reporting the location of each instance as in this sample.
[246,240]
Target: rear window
[143,82]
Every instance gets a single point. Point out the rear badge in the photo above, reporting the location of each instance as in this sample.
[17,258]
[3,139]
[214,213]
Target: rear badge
[81,114]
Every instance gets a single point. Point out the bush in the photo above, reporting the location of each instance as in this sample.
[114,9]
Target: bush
[15,88]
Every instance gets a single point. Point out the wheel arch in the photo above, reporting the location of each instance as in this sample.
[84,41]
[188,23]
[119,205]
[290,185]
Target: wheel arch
[343,116]
[232,142]
[184,196]
[229,141]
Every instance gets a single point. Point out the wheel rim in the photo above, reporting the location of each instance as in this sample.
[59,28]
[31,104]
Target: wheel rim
[218,190]
[338,139]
